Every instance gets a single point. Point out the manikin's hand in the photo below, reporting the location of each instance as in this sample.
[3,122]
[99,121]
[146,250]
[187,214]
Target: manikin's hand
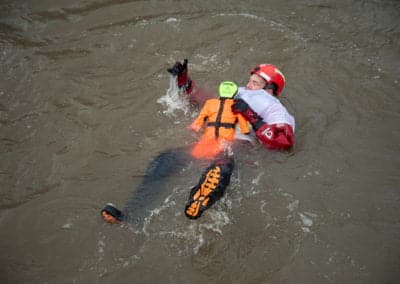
[239,106]
[178,68]
[194,127]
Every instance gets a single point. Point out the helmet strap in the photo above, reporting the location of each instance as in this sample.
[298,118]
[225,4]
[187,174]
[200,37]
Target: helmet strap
[271,86]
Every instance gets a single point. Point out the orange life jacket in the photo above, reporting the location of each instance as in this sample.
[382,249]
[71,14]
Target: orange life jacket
[220,124]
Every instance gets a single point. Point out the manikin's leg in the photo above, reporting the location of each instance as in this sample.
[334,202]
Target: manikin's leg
[210,188]
[150,191]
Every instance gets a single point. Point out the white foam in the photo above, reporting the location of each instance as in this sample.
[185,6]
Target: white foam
[200,243]
[67,226]
[168,202]
[312,173]
[293,205]
[193,236]
[101,246]
[256,180]
[263,204]
[307,221]
[173,100]
[169,20]
[219,220]
[310,214]
[245,15]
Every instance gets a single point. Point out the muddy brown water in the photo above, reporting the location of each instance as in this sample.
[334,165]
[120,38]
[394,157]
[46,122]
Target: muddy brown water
[80,119]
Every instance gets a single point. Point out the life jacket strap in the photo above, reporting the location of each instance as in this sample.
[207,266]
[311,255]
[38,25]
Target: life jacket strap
[221,124]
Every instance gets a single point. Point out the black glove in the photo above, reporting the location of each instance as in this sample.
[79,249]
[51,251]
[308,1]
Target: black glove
[178,68]
[240,106]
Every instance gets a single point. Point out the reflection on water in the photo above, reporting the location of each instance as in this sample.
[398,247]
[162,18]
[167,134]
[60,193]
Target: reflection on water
[86,103]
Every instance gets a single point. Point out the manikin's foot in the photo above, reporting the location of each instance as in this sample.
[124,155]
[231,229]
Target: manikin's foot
[210,188]
[200,201]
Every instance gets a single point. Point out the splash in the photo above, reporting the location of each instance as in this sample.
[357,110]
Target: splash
[168,202]
[307,222]
[245,15]
[219,219]
[173,99]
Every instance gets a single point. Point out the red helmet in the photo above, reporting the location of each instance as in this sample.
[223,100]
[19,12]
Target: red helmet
[271,75]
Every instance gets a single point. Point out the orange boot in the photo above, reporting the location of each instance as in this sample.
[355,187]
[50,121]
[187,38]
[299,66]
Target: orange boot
[210,188]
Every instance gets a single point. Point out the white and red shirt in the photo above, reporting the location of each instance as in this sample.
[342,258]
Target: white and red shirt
[267,106]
